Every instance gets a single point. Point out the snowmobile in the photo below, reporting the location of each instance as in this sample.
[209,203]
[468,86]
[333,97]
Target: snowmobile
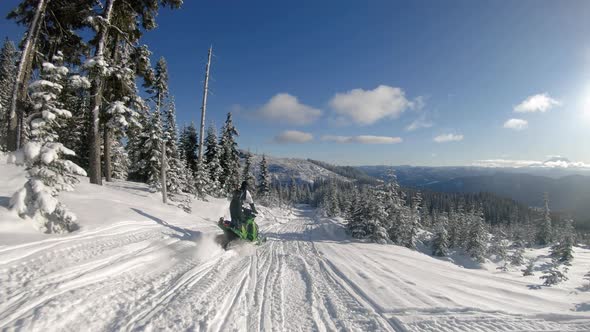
[247,230]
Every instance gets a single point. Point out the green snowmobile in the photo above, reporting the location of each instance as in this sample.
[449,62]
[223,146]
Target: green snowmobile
[247,230]
[242,224]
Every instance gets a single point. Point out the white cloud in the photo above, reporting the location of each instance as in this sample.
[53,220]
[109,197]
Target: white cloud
[516,124]
[505,163]
[286,108]
[538,103]
[363,139]
[293,136]
[448,138]
[564,163]
[420,122]
[365,107]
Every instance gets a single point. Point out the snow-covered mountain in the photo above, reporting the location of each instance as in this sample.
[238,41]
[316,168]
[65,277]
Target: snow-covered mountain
[301,170]
[138,264]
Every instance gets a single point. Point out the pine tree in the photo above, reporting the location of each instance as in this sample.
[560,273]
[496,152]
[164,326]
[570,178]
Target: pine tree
[529,269]
[263,179]
[120,161]
[175,173]
[355,221]
[247,172]
[188,145]
[413,224]
[517,257]
[554,275]
[499,246]
[189,185]
[138,154]
[229,159]
[477,240]
[202,180]
[213,164]
[123,18]
[75,96]
[47,172]
[562,251]
[440,243]
[8,58]
[545,234]
[153,151]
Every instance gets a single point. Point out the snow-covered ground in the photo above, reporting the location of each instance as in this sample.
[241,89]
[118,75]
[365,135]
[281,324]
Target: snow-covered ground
[136,264]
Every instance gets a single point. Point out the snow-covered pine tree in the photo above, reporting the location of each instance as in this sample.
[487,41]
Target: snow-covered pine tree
[116,18]
[247,172]
[394,210]
[529,270]
[47,172]
[75,96]
[189,184]
[189,142]
[138,155]
[555,274]
[545,233]
[202,180]
[122,100]
[153,151]
[213,164]
[440,242]
[120,161]
[230,158]
[120,117]
[517,257]
[413,224]
[477,240]
[263,179]
[374,215]
[175,173]
[499,247]
[8,58]
[355,221]
[562,251]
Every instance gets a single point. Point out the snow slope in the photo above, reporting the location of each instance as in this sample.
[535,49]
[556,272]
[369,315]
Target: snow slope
[284,169]
[136,264]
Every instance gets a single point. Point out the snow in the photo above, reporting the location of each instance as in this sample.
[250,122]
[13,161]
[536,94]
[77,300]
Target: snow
[139,264]
[285,169]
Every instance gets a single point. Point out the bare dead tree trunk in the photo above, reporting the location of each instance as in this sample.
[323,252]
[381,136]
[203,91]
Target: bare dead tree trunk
[15,119]
[96,101]
[204,108]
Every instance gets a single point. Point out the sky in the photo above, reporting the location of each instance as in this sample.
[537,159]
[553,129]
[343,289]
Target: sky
[434,83]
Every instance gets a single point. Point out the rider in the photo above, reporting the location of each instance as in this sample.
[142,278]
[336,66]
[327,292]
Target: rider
[242,205]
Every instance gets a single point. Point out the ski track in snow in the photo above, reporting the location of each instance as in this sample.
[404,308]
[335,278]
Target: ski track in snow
[137,276]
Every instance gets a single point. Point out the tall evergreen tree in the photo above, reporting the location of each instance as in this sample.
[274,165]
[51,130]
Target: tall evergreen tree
[188,145]
[263,179]
[175,173]
[440,243]
[545,234]
[153,151]
[229,159]
[247,173]
[120,161]
[47,172]
[477,239]
[562,250]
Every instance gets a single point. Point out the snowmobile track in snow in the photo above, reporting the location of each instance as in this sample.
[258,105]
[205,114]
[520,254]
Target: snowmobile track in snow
[136,276]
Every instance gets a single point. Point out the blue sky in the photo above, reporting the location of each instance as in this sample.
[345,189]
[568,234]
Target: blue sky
[342,81]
